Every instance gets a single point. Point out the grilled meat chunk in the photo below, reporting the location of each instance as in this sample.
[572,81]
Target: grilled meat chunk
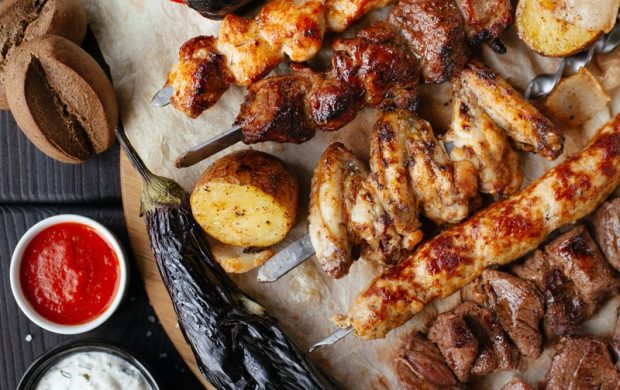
[435,31]
[530,130]
[420,366]
[581,362]
[377,61]
[486,20]
[477,139]
[447,190]
[580,260]
[389,159]
[607,231]
[519,307]
[456,342]
[517,384]
[496,351]
[498,235]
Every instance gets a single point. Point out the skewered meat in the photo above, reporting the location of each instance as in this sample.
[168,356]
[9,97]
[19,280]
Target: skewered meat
[530,130]
[389,159]
[435,31]
[517,384]
[446,189]
[519,308]
[248,49]
[496,351]
[497,235]
[486,20]
[345,215]
[456,342]
[420,366]
[581,362]
[607,231]
[371,69]
[574,278]
[477,139]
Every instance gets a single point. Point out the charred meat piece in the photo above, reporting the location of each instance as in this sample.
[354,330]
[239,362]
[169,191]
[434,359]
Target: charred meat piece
[456,342]
[519,307]
[486,20]
[199,78]
[447,190]
[496,351]
[377,61]
[435,31]
[517,384]
[530,129]
[477,139]
[580,260]
[607,231]
[419,365]
[565,308]
[581,362]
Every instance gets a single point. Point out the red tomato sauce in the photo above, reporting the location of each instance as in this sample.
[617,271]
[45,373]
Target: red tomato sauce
[69,274]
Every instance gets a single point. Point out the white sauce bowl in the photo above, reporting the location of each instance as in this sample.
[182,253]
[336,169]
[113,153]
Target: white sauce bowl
[24,304]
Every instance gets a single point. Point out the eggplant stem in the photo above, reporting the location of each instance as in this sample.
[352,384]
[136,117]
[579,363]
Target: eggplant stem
[146,175]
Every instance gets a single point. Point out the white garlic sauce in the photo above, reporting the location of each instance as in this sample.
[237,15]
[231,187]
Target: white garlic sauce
[93,370]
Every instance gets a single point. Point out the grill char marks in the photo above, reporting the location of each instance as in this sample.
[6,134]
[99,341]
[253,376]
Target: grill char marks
[61,126]
[435,30]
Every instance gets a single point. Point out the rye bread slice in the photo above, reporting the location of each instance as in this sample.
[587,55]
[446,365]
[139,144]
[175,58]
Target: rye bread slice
[61,99]
[24,20]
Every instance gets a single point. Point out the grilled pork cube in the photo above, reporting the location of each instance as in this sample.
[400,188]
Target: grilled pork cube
[565,308]
[486,20]
[517,384]
[435,30]
[579,258]
[457,343]
[496,351]
[420,366]
[607,231]
[582,362]
[519,307]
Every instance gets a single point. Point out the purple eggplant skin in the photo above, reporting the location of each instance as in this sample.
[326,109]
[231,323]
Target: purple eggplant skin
[237,345]
[218,9]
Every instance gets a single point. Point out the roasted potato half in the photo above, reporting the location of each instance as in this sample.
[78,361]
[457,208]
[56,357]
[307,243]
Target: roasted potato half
[237,260]
[556,28]
[248,199]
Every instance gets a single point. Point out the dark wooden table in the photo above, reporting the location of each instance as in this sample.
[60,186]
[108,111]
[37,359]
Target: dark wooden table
[33,187]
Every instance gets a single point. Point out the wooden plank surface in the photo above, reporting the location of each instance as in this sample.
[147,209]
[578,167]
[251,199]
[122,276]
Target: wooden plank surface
[131,188]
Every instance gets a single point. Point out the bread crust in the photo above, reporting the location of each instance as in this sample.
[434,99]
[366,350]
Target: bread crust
[56,91]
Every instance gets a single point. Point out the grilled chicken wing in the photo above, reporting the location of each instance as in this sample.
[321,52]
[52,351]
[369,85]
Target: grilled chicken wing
[447,190]
[486,20]
[531,130]
[498,235]
[475,138]
[435,31]
[389,158]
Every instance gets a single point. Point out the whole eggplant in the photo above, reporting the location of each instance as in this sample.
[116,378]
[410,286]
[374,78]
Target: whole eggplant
[237,345]
[217,9]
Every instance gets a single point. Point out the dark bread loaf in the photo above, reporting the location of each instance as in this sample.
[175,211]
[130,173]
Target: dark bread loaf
[24,20]
[61,99]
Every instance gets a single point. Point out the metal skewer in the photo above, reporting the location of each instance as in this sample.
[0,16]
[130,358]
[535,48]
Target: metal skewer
[162,97]
[285,260]
[542,85]
[333,339]
[209,148]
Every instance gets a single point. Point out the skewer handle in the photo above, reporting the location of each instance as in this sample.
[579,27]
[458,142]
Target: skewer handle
[285,260]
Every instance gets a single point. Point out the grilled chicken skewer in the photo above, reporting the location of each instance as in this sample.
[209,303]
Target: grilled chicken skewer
[498,235]
[247,50]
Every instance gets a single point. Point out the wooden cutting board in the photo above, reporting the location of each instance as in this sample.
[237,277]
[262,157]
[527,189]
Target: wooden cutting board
[131,188]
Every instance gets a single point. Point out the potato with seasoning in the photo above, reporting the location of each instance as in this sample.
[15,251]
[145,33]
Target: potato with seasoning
[248,198]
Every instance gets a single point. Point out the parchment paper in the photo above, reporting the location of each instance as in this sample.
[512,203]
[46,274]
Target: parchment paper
[140,40]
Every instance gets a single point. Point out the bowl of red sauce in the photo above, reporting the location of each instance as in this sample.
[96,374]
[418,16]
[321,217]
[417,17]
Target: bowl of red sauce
[68,274]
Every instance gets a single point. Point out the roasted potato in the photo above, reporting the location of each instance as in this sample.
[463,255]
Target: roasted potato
[559,28]
[237,260]
[248,198]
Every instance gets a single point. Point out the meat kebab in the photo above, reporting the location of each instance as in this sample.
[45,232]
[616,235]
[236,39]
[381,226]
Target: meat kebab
[497,235]
[248,49]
